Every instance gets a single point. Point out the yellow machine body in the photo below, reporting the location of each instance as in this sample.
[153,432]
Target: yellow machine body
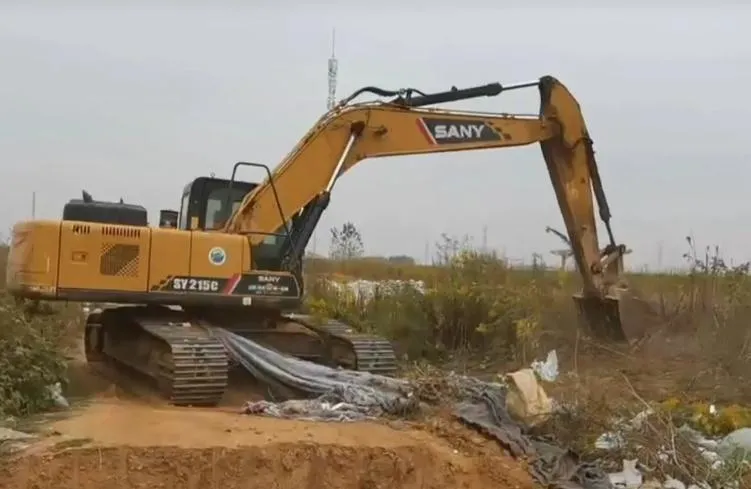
[83,261]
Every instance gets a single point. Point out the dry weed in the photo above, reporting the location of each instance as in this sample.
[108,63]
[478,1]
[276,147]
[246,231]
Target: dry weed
[479,307]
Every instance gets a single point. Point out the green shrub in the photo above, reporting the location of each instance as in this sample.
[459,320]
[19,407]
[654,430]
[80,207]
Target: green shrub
[31,359]
[472,301]
[475,302]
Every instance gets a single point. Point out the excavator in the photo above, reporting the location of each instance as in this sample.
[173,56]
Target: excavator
[232,257]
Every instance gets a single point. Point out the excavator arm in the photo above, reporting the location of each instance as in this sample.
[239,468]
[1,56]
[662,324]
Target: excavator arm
[352,132]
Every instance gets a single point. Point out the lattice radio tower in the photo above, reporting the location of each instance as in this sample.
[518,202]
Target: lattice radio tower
[333,68]
[331,99]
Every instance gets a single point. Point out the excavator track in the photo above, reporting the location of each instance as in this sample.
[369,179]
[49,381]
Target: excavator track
[371,353]
[188,364]
[195,373]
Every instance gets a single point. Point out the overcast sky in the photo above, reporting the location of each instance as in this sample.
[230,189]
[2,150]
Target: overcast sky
[135,102]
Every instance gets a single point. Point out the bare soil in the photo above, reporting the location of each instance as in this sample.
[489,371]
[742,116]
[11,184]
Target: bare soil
[127,437]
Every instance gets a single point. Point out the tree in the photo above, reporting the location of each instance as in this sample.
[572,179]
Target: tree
[346,243]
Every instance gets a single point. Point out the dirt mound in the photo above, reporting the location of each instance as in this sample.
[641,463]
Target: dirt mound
[120,444]
[278,465]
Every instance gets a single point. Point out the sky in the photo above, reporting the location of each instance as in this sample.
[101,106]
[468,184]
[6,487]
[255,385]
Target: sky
[135,102]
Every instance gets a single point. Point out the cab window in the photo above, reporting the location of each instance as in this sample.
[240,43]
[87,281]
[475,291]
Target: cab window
[216,214]
[183,219]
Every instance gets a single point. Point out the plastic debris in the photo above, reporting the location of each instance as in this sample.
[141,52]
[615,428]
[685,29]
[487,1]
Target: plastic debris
[671,483]
[547,370]
[366,290]
[526,399]
[629,477]
[715,452]
[609,441]
[12,441]
[310,410]
[613,440]
[7,434]
[56,394]
[738,440]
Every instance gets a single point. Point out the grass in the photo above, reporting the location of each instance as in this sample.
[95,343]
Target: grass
[477,303]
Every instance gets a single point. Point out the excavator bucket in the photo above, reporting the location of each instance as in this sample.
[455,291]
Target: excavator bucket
[620,317]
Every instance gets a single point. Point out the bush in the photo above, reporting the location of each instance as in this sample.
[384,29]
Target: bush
[472,301]
[32,345]
[31,359]
[476,302]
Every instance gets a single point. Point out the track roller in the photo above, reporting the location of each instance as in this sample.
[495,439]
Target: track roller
[354,350]
[187,363]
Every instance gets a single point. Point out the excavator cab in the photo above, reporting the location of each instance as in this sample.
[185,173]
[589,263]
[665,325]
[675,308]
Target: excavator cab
[205,204]
[208,202]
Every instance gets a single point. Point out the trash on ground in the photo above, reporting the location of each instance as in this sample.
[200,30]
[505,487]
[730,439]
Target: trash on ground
[7,434]
[340,395]
[629,477]
[738,440]
[609,441]
[56,394]
[547,370]
[526,399]
[292,378]
[717,452]
[613,440]
[366,290]
[311,409]
[12,441]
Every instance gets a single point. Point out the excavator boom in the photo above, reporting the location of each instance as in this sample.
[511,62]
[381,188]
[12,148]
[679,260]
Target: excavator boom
[404,125]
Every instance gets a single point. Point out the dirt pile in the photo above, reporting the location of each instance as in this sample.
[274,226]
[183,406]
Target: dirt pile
[279,465]
[124,445]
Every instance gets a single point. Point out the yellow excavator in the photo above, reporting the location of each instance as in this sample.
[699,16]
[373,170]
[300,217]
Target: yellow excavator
[232,257]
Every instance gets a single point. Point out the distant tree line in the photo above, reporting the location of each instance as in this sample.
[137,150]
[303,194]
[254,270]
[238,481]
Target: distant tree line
[347,244]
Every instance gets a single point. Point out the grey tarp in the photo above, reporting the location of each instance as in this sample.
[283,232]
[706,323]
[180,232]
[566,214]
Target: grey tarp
[290,378]
[311,391]
[550,465]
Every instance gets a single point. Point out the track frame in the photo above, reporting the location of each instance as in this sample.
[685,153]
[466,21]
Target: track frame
[177,351]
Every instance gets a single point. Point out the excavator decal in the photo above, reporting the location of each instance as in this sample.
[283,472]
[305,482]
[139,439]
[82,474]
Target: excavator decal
[238,284]
[453,131]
